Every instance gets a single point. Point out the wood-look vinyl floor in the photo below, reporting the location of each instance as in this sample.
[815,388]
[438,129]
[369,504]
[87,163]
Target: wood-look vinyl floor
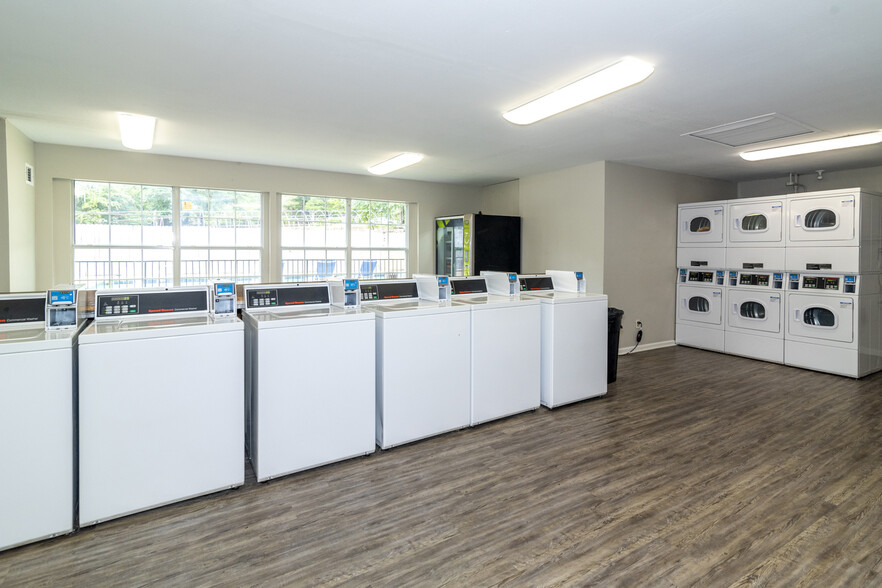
[696,469]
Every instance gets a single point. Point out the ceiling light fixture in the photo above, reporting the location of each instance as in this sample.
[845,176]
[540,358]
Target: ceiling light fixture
[136,130]
[396,163]
[621,74]
[814,146]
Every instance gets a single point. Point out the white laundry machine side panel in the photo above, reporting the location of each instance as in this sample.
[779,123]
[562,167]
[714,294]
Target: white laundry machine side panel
[701,257]
[702,223]
[865,259]
[701,337]
[160,420]
[574,351]
[756,222]
[315,396]
[505,361]
[870,334]
[425,376]
[36,433]
[765,258]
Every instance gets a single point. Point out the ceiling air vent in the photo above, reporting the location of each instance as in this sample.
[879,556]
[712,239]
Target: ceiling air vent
[758,129]
[29,174]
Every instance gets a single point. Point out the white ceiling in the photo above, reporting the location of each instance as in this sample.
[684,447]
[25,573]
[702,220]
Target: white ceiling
[342,84]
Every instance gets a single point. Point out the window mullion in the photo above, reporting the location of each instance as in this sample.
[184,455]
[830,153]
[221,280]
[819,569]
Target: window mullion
[348,254]
[176,238]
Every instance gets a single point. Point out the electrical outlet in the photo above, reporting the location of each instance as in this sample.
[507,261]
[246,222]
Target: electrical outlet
[639,325]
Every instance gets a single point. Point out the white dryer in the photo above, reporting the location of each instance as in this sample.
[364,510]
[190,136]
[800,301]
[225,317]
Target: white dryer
[505,344]
[756,234]
[755,315]
[423,362]
[700,299]
[310,378]
[161,401]
[833,323]
[701,234]
[835,231]
[38,363]
[575,328]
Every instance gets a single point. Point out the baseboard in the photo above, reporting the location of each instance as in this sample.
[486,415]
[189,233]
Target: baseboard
[647,347]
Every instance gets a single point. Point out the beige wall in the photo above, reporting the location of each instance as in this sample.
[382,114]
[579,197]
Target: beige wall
[562,214]
[17,212]
[58,164]
[502,199]
[640,244]
[868,178]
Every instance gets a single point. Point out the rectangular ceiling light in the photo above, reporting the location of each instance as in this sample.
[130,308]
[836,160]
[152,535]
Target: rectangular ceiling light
[396,163]
[621,74]
[814,146]
[136,130]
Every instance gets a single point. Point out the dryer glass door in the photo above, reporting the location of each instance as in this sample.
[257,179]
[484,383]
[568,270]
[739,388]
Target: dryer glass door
[826,318]
[759,223]
[757,311]
[825,218]
[700,305]
[701,224]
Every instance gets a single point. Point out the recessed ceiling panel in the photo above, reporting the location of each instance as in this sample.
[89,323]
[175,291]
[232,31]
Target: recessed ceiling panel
[758,129]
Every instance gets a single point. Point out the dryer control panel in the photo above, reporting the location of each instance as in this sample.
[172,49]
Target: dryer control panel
[704,276]
[828,283]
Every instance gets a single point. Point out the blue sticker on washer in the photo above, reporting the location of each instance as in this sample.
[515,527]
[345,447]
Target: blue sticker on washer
[350,284]
[442,280]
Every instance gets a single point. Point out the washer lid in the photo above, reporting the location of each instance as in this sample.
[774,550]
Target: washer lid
[477,301]
[293,317]
[412,308]
[35,338]
[157,326]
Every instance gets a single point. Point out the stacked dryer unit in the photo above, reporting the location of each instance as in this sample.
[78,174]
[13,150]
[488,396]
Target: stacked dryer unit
[754,308]
[834,259]
[800,279]
[701,257]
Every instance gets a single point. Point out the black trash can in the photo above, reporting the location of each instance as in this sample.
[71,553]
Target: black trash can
[615,325]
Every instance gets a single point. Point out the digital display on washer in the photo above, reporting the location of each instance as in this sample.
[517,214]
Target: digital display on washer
[22,310]
[224,289]
[61,297]
[707,277]
[754,280]
[150,303]
[536,283]
[472,286]
[820,283]
[391,291]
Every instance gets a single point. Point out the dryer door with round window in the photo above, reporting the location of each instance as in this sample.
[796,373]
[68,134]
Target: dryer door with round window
[699,304]
[756,311]
[829,218]
[701,224]
[825,318]
[757,223]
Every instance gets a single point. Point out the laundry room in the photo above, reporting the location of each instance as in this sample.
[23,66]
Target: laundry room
[355,308]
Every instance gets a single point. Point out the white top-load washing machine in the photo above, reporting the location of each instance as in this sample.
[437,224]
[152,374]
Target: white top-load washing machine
[701,234]
[835,231]
[506,347]
[754,312]
[423,357]
[756,234]
[574,326]
[37,423]
[161,401]
[310,377]
[700,298]
[833,323]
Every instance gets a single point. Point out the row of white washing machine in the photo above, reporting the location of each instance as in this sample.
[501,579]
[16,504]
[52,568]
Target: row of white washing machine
[149,403]
[838,231]
[819,321]
[335,369]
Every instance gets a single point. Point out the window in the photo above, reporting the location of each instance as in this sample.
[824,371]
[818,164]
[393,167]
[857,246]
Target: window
[324,237]
[220,236]
[123,235]
[132,236]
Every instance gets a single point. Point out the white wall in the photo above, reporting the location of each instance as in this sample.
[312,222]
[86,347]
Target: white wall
[59,164]
[562,214]
[868,178]
[640,244]
[17,212]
